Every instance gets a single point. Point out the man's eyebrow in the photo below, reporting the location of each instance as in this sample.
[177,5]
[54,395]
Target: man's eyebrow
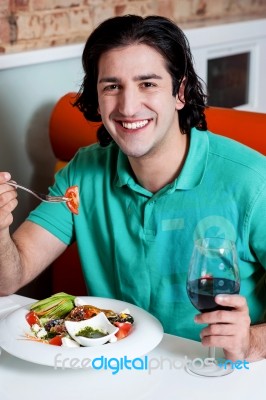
[112,79]
[146,77]
[109,79]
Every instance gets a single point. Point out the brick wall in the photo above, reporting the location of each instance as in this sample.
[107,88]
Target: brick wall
[33,24]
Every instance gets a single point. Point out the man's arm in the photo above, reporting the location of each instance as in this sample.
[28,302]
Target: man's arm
[28,252]
[231,330]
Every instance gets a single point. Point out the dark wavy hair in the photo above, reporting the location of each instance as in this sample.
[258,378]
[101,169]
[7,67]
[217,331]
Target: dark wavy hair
[165,37]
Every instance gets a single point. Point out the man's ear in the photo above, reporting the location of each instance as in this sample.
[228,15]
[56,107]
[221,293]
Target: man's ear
[180,96]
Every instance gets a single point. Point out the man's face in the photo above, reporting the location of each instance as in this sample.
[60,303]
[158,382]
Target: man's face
[135,100]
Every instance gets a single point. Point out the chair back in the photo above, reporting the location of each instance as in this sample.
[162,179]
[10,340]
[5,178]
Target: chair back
[246,127]
[69,130]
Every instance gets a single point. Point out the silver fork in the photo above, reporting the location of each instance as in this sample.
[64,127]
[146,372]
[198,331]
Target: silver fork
[40,196]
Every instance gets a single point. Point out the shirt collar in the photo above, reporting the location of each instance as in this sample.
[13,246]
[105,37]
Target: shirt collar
[125,175]
[192,172]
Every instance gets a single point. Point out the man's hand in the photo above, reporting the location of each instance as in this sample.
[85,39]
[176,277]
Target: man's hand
[229,330]
[30,249]
[8,201]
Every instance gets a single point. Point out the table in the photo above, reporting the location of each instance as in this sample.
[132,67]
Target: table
[167,380]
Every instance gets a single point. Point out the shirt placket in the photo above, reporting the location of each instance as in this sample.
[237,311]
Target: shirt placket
[149,228]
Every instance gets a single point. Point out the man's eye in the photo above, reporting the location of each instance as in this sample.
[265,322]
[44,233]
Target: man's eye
[148,84]
[111,87]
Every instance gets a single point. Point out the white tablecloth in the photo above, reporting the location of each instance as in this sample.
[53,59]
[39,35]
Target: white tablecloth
[24,380]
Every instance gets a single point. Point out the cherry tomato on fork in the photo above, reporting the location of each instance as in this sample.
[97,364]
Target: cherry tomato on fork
[72,194]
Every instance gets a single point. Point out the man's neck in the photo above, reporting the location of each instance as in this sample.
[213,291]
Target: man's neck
[155,171]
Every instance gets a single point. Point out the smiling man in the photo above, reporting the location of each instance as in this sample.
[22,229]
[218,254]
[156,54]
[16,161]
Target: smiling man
[139,111]
[156,181]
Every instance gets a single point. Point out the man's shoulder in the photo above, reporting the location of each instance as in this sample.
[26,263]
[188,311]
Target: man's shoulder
[93,162]
[95,154]
[96,150]
[233,152]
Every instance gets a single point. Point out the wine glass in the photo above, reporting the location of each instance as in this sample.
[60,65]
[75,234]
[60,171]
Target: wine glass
[213,270]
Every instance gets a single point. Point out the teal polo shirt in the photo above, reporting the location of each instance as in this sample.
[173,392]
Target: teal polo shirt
[135,245]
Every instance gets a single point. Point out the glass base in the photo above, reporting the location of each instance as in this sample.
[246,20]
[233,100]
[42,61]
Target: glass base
[211,370]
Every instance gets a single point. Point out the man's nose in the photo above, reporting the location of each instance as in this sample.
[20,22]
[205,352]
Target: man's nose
[129,102]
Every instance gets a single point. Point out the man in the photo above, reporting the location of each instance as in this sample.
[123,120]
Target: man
[157,181]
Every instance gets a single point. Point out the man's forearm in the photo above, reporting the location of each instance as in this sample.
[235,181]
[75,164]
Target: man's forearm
[10,265]
[257,348]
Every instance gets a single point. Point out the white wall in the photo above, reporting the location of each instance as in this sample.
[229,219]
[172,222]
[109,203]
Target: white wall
[208,42]
[29,88]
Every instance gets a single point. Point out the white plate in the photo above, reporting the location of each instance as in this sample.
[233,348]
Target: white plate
[146,334]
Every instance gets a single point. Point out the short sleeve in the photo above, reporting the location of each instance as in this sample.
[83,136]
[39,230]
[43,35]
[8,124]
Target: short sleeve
[56,217]
[257,226]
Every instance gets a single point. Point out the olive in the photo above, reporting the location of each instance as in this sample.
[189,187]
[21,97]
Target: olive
[53,322]
[125,318]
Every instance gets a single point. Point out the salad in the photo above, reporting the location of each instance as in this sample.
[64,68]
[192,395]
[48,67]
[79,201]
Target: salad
[48,320]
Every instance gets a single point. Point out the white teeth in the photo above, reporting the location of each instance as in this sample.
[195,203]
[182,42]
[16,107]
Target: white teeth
[135,125]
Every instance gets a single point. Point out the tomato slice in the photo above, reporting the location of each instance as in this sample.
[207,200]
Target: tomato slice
[56,341]
[72,193]
[32,318]
[124,329]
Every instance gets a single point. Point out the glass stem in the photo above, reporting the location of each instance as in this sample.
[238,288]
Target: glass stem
[211,352]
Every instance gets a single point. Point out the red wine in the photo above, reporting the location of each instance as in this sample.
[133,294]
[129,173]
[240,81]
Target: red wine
[203,291]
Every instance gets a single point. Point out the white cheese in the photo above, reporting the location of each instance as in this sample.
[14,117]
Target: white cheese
[41,333]
[35,328]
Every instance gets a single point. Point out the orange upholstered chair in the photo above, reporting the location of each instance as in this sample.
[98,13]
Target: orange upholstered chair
[69,130]
[246,127]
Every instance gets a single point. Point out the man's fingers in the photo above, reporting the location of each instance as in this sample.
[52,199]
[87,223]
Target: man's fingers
[216,317]
[239,307]
[233,300]
[218,330]
[4,177]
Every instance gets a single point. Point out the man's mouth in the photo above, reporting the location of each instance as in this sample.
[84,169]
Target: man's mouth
[135,125]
